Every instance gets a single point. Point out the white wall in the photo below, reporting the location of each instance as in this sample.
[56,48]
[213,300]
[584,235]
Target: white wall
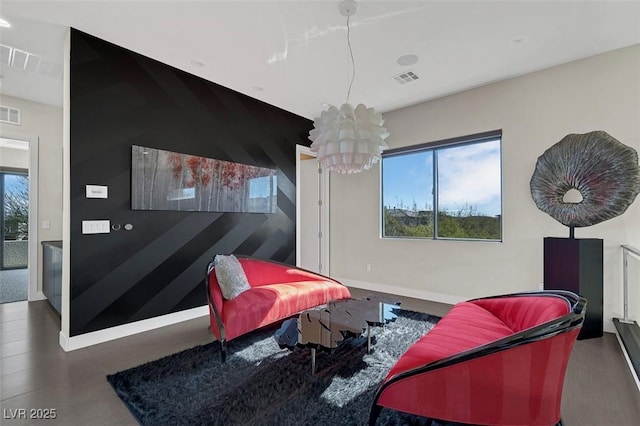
[43,122]
[534,111]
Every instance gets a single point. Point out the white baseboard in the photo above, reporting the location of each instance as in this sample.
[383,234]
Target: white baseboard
[402,291]
[608,326]
[38,296]
[100,336]
[426,295]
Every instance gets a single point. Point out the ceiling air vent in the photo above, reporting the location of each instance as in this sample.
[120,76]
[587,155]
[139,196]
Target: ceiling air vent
[5,54]
[19,59]
[406,77]
[10,115]
[27,61]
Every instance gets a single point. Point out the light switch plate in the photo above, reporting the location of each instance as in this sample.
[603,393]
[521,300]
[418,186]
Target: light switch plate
[97,191]
[96,226]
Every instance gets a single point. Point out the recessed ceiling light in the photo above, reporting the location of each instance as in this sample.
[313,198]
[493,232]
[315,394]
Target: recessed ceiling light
[197,63]
[406,60]
[4,23]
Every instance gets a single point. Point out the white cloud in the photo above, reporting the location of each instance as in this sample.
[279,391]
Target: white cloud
[470,175]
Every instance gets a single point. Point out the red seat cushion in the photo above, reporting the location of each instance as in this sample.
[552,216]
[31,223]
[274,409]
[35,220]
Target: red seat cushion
[271,302]
[466,326]
[260,273]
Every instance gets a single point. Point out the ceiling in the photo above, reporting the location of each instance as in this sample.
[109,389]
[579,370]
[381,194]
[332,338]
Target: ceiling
[293,54]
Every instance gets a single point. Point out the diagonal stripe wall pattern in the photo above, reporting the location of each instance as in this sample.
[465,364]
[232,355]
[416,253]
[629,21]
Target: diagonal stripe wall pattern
[119,99]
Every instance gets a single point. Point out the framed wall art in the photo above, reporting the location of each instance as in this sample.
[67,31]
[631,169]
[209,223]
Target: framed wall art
[166,180]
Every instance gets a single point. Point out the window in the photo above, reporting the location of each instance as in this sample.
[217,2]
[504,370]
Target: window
[14,219]
[460,179]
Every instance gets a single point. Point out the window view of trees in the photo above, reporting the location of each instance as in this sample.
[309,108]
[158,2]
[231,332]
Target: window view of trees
[15,220]
[466,190]
[16,206]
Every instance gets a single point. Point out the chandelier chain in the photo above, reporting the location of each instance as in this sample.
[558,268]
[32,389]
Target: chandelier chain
[347,139]
[353,62]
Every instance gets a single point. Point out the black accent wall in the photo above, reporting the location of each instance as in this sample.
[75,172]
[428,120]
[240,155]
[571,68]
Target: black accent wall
[119,99]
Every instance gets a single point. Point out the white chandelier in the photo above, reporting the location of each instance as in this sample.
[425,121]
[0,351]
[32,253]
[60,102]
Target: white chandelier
[348,140]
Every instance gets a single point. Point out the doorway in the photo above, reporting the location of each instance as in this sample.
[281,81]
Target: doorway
[14,220]
[312,213]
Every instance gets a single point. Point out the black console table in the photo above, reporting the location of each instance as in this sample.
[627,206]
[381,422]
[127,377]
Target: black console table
[52,272]
[575,264]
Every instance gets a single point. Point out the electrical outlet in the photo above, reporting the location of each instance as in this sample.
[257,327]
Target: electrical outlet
[369,267]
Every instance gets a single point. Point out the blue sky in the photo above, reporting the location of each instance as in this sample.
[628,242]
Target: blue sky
[408,178]
[468,175]
[12,181]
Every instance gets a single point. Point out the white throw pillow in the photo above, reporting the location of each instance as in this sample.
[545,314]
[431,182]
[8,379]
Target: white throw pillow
[231,277]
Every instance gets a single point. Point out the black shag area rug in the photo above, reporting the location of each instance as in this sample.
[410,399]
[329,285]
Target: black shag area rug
[261,384]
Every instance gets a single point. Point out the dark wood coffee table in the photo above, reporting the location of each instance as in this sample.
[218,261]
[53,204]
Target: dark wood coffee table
[329,325]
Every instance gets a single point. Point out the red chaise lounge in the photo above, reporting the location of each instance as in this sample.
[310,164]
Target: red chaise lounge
[277,291]
[491,361]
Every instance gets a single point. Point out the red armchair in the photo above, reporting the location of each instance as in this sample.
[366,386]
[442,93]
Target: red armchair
[491,361]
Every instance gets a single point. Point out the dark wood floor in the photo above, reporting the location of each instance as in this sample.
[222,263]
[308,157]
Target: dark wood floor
[37,374]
